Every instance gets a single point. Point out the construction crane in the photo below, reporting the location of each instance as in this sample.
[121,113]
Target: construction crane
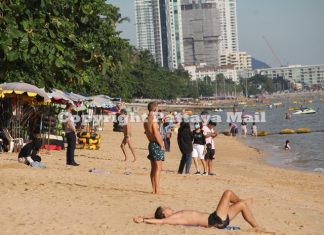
[272,51]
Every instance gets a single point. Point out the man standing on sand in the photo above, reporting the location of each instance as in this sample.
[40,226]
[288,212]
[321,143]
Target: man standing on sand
[155,147]
[70,134]
[123,120]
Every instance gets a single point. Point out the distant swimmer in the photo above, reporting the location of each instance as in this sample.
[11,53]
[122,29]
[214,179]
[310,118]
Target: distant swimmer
[287,145]
[287,116]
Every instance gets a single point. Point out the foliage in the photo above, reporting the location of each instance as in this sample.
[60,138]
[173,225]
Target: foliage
[73,45]
[258,84]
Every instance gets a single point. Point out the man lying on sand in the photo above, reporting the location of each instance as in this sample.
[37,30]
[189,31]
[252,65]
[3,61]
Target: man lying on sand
[229,206]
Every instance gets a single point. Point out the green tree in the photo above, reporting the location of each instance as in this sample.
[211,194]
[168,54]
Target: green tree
[58,43]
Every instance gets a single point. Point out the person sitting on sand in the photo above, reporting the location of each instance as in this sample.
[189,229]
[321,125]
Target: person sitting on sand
[28,154]
[123,118]
[229,206]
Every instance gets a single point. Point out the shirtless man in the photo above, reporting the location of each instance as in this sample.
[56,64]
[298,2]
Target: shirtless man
[229,206]
[155,147]
[127,134]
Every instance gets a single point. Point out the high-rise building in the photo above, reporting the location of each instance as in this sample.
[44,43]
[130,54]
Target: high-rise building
[187,32]
[228,21]
[201,32]
[174,33]
[150,25]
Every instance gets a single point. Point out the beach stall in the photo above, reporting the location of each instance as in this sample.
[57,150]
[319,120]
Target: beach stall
[48,126]
[19,107]
[98,104]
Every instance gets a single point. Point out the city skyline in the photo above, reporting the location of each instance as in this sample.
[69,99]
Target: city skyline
[294,33]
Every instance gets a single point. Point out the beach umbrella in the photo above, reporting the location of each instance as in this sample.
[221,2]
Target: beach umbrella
[77,97]
[59,95]
[22,88]
[101,101]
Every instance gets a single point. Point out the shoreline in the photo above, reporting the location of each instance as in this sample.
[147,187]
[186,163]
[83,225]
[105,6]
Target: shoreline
[75,201]
[274,161]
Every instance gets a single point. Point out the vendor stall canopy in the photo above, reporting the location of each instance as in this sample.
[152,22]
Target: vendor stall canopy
[101,101]
[20,88]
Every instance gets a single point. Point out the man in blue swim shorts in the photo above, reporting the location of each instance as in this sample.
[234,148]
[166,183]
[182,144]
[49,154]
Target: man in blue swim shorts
[155,147]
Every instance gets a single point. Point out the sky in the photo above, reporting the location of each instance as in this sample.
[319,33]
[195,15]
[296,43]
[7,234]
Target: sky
[293,28]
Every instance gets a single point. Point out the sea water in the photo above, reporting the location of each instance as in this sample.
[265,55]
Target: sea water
[307,150]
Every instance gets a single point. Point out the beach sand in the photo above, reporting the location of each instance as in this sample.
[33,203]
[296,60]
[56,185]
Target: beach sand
[60,200]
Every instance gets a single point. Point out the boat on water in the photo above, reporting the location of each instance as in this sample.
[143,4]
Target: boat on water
[218,110]
[305,111]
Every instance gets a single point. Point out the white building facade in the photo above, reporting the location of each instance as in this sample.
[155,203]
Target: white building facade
[202,71]
[311,76]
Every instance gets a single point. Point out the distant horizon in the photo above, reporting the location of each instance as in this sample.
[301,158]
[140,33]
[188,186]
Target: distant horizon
[294,33]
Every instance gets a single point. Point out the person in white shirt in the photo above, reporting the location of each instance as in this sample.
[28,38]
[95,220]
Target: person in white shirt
[210,134]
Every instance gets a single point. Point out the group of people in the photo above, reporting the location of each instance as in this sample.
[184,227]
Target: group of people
[233,129]
[192,144]
[197,145]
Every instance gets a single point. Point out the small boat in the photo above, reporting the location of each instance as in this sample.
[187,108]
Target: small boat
[305,111]
[218,110]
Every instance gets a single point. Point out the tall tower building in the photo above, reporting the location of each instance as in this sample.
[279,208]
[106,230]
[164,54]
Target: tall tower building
[201,32]
[228,20]
[150,25]
[174,33]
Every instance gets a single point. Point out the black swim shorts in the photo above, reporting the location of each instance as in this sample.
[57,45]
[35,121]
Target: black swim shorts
[215,221]
[210,153]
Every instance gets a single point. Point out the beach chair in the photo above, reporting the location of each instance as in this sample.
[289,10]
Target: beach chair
[13,142]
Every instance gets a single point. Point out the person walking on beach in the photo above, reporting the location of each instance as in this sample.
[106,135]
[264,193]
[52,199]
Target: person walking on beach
[254,130]
[244,128]
[210,134]
[155,147]
[70,134]
[199,142]
[229,206]
[165,130]
[185,145]
[127,134]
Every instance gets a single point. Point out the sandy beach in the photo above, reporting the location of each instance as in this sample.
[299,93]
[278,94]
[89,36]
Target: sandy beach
[60,200]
